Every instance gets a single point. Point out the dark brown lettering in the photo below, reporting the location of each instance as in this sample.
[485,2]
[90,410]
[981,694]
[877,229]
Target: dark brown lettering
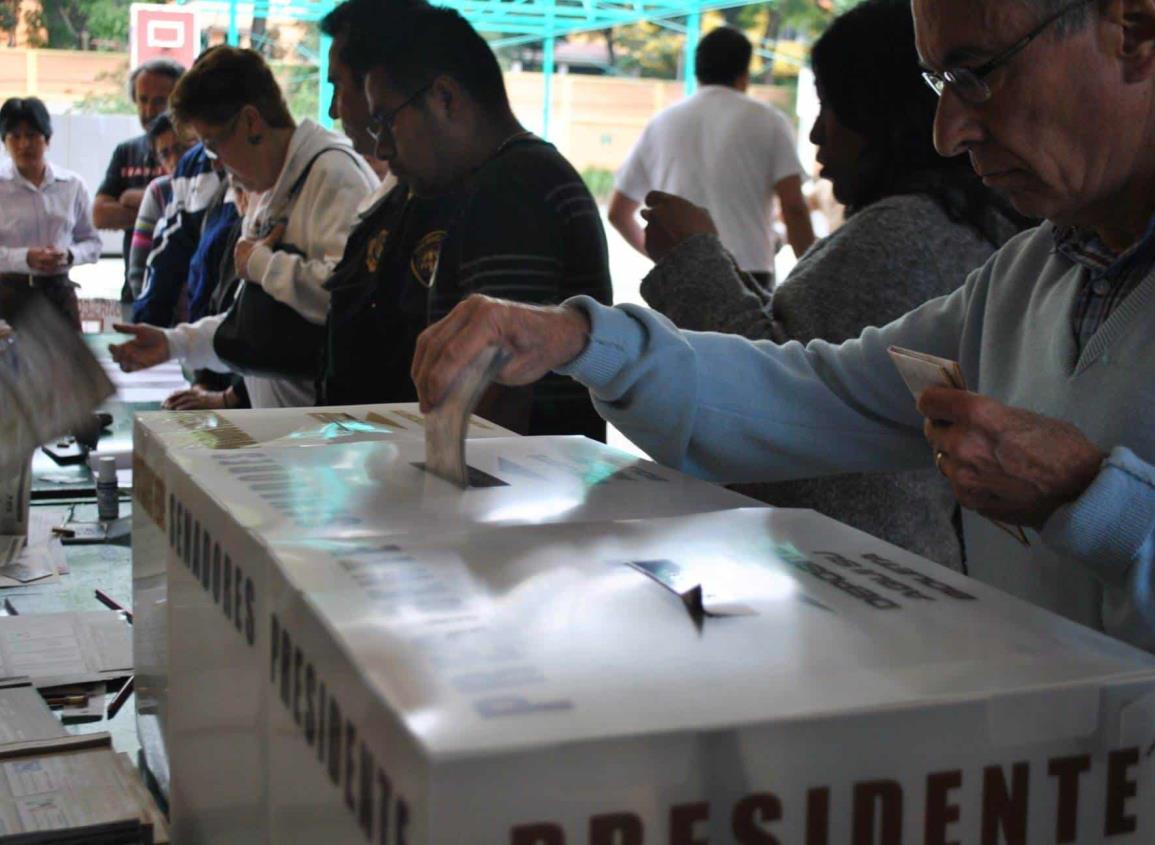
[818,816]
[402,823]
[335,722]
[310,704]
[750,816]
[350,765]
[206,559]
[227,589]
[877,806]
[250,611]
[365,802]
[275,642]
[940,812]
[384,799]
[286,666]
[216,574]
[1120,787]
[322,710]
[1067,770]
[298,664]
[1003,810]
[238,598]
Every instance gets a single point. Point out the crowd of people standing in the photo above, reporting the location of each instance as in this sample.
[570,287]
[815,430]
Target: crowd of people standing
[286,265]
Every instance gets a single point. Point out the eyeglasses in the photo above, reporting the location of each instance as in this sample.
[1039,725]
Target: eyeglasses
[212,145]
[380,126]
[970,83]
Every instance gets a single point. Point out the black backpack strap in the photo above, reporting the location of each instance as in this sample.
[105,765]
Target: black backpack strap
[269,224]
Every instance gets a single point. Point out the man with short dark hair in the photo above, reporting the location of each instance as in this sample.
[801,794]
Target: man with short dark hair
[133,163]
[348,104]
[723,150]
[486,207]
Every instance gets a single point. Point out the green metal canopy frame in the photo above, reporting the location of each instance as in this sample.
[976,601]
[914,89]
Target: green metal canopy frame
[508,22]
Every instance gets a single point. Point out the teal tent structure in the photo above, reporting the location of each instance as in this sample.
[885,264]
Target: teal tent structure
[509,22]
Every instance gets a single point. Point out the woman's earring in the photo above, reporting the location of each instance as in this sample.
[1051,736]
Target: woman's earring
[255,140]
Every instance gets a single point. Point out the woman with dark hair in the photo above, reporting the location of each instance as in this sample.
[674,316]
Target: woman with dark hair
[306,183]
[46,227]
[916,224]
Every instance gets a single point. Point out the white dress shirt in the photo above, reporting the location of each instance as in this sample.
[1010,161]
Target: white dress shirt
[56,213]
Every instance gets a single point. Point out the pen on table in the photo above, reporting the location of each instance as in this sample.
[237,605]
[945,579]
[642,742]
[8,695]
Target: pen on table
[66,700]
[112,604]
[121,697]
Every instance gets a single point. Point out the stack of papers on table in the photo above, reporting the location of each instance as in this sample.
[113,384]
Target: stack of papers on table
[74,789]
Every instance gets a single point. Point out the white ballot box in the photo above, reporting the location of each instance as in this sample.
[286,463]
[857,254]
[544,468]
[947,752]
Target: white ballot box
[221,512]
[740,676]
[163,437]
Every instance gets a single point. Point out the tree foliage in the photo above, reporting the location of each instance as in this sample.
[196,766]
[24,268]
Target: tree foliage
[650,50]
[82,24]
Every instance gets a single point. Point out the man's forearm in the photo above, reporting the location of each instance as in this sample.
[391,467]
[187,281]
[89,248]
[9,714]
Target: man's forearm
[623,216]
[1110,529]
[108,213]
[1111,526]
[798,230]
[629,229]
[720,407]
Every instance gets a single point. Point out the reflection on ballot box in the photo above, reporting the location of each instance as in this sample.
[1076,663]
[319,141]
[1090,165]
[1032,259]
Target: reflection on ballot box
[585,647]
[160,441]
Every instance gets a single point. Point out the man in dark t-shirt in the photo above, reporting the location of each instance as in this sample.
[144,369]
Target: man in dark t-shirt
[487,207]
[133,163]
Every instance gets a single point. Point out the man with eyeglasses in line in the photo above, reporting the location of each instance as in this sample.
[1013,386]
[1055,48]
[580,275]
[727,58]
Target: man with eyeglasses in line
[485,206]
[1054,102]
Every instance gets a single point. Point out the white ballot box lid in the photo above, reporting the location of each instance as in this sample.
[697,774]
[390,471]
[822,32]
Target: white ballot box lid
[816,620]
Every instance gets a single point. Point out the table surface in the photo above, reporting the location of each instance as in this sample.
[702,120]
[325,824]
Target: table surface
[105,566]
[67,493]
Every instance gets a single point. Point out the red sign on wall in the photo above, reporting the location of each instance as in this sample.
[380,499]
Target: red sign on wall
[163,31]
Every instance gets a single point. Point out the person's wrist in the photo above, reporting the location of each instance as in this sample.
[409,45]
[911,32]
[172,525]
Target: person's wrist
[577,334]
[230,399]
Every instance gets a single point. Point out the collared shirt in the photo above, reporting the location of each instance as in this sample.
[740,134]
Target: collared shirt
[1110,276]
[55,213]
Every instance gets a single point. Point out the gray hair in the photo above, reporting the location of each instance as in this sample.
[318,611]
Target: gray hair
[161,66]
[1073,20]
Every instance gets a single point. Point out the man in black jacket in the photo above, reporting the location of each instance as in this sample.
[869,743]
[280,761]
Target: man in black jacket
[485,207]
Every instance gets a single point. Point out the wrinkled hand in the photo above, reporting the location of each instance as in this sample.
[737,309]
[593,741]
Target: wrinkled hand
[244,249]
[196,398]
[538,339]
[1006,463]
[147,348]
[671,220]
[46,259]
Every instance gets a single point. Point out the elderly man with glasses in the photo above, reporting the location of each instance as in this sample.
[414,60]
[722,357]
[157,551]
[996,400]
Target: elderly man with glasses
[1054,103]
